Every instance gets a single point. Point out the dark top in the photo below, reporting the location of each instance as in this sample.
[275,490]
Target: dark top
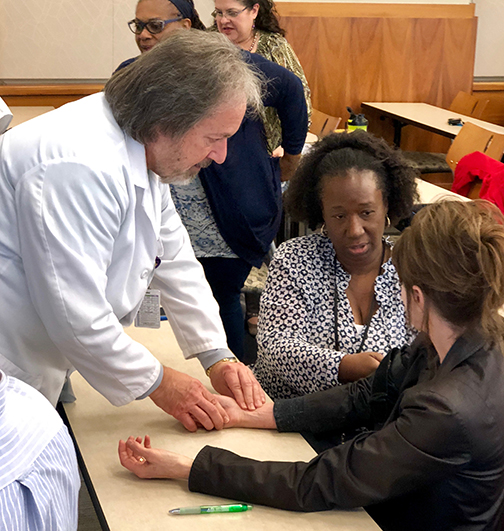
[244,192]
[434,460]
[126,63]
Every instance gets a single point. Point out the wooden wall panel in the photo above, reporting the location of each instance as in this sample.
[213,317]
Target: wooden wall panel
[47,94]
[495,93]
[396,55]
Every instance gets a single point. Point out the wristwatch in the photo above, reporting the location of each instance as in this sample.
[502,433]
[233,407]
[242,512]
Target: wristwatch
[229,360]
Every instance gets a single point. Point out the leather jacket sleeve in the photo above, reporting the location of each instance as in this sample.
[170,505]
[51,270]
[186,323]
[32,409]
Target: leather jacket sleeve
[366,403]
[427,443]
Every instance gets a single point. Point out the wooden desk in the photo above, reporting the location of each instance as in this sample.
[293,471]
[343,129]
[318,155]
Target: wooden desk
[129,503]
[424,116]
[23,114]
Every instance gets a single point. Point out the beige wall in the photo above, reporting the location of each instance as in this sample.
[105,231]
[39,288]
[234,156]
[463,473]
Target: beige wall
[87,39]
[82,39]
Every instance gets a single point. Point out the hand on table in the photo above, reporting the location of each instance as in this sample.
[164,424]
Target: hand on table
[356,366]
[188,401]
[147,462]
[241,418]
[237,381]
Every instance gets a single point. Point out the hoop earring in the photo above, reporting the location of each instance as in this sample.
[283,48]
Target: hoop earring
[323,230]
[387,222]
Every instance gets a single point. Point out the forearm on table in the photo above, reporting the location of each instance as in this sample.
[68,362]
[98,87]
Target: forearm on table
[260,418]
[340,408]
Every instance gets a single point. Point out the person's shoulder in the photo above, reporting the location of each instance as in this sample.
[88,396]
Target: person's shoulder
[270,43]
[465,396]
[275,73]
[29,402]
[472,380]
[126,63]
[389,277]
[272,38]
[305,248]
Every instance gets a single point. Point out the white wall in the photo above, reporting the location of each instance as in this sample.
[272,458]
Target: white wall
[87,39]
[490,38]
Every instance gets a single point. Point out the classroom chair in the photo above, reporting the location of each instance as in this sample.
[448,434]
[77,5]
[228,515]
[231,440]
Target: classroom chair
[469,105]
[470,139]
[322,124]
[479,176]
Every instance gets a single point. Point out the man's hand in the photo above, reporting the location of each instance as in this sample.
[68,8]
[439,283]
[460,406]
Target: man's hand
[147,462]
[237,381]
[356,366]
[188,401]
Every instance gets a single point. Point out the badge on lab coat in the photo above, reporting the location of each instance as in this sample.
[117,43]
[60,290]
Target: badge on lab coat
[149,315]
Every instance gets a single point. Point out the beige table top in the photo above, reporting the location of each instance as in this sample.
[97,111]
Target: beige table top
[22,114]
[429,117]
[430,193]
[133,504]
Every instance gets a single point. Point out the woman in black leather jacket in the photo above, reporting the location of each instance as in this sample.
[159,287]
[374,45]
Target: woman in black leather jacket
[432,456]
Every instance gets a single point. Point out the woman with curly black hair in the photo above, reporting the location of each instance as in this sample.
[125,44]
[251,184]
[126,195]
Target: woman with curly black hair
[331,306]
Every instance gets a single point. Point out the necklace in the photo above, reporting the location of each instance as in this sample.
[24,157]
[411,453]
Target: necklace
[254,40]
[371,309]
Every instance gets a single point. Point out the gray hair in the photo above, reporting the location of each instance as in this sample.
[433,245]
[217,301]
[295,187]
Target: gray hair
[178,83]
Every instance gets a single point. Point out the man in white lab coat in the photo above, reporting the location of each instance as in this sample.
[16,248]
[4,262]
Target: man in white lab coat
[87,224]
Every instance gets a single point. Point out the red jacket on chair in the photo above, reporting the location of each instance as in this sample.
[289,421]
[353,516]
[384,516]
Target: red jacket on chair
[488,170]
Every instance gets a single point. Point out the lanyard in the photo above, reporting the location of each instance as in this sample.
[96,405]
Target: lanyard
[371,308]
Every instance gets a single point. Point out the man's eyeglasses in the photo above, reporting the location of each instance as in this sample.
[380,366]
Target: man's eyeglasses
[152,26]
[229,13]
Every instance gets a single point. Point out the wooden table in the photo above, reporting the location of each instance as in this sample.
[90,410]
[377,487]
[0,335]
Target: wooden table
[23,114]
[128,503]
[424,116]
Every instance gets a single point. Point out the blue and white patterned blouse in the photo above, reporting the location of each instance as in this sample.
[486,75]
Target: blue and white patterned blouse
[194,210]
[296,340]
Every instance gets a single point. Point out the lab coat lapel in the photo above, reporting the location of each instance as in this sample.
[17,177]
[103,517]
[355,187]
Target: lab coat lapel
[146,184]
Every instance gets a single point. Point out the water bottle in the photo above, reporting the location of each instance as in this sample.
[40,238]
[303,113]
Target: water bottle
[356,121]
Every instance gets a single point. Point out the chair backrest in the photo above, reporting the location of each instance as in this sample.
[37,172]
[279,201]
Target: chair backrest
[473,138]
[322,124]
[480,109]
[464,103]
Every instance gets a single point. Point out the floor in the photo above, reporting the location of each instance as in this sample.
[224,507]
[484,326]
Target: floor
[88,520]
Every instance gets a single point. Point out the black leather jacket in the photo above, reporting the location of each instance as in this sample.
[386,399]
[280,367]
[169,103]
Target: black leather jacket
[433,460]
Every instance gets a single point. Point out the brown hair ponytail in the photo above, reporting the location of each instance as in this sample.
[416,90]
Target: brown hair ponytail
[454,252]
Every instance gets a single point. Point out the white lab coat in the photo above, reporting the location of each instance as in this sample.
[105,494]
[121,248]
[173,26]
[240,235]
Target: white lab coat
[81,223]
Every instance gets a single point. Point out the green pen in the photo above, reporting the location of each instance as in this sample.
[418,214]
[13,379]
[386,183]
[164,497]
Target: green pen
[209,509]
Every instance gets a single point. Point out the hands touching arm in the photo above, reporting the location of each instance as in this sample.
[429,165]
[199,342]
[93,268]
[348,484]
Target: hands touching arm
[236,380]
[188,401]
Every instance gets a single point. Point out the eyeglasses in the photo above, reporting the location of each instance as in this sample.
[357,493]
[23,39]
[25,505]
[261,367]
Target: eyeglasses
[152,26]
[229,13]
